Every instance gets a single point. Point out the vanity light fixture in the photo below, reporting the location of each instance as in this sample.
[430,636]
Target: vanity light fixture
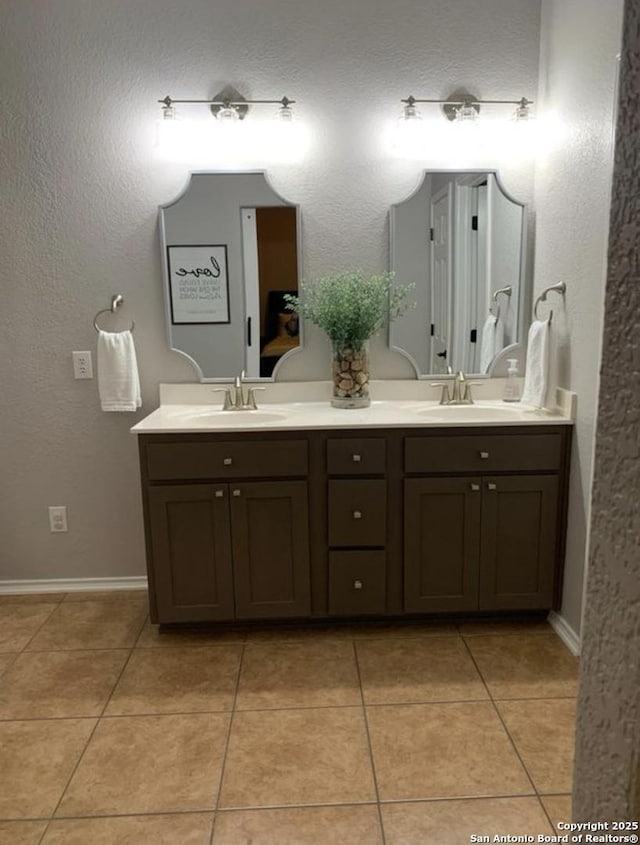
[465,108]
[228,106]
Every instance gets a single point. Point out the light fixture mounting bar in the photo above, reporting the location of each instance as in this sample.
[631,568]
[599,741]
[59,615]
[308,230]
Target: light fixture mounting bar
[283,101]
[523,101]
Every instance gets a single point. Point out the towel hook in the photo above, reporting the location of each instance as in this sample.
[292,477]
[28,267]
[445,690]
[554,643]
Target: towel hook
[508,290]
[560,288]
[116,301]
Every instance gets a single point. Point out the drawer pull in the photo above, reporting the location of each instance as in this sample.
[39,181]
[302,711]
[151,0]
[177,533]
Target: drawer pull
[358,585]
[474,487]
[227,461]
[484,455]
[357,514]
[219,494]
[356,458]
[236,492]
[491,486]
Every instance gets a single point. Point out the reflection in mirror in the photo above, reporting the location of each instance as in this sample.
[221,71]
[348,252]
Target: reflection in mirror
[230,248]
[461,239]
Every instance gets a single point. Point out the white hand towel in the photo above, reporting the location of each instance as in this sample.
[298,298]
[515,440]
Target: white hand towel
[535,376]
[118,380]
[492,341]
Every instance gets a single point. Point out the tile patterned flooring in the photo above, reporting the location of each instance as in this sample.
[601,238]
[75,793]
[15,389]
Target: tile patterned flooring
[114,733]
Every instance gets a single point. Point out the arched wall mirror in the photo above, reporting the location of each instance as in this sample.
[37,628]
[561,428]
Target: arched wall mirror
[461,239]
[230,251]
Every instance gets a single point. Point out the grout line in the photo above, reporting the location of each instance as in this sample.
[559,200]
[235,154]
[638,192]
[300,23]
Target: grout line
[368,735]
[226,746]
[502,721]
[39,628]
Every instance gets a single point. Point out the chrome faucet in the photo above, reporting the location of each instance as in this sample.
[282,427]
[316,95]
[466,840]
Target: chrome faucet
[461,390]
[235,398]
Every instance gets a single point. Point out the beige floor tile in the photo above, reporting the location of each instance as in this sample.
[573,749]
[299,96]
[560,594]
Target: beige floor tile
[525,666]
[313,673]
[453,822]
[287,757]
[31,598]
[152,637]
[21,833]
[294,633]
[351,825]
[401,631]
[19,622]
[90,624]
[558,808]
[185,829]
[36,761]
[413,670]
[108,595]
[149,764]
[543,732]
[59,683]
[6,659]
[443,751]
[177,680]
[505,626]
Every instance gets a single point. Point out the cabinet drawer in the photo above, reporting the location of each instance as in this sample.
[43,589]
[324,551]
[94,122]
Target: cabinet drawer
[357,513]
[233,459]
[357,456]
[357,583]
[483,453]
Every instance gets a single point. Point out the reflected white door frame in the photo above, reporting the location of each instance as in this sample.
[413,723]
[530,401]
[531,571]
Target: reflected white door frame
[251,292]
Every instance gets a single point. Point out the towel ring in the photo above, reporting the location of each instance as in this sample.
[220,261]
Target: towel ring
[560,288]
[116,302]
[508,290]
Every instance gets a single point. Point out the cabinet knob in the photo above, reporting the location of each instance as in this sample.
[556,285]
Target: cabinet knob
[358,585]
[227,461]
[484,455]
[491,486]
[236,492]
[219,494]
[356,458]
[474,487]
[357,514]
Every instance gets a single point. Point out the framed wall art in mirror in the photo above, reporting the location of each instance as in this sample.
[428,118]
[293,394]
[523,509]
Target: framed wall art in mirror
[461,239]
[230,252]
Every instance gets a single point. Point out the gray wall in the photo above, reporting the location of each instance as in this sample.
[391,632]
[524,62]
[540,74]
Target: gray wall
[81,185]
[579,43]
[607,767]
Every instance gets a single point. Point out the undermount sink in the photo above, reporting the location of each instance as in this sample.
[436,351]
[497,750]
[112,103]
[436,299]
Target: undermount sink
[218,416]
[471,412]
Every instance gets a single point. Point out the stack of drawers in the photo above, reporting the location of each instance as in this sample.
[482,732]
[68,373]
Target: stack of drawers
[357,525]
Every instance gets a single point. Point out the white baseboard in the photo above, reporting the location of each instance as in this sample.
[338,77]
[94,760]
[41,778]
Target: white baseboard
[565,632]
[73,585]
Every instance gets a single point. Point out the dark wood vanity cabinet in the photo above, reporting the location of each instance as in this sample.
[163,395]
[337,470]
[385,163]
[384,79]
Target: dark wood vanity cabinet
[280,525]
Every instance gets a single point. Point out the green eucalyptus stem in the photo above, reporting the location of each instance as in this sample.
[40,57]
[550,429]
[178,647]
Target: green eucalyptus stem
[350,306]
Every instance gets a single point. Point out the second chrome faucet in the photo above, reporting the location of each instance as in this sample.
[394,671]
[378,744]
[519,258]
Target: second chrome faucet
[460,394]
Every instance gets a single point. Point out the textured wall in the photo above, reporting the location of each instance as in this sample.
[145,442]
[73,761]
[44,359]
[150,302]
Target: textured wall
[607,768]
[81,186]
[579,43]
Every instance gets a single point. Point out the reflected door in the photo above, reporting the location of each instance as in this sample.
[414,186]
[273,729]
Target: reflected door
[441,275]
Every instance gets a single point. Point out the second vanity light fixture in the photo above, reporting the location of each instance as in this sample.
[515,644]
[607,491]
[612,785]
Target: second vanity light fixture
[464,108]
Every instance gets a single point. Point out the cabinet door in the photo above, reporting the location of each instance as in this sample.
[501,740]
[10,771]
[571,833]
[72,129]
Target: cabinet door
[519,515]
[270,537]
[191,552]
[441,544]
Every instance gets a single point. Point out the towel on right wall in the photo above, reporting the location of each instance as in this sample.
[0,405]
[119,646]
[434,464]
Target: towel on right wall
[536,372]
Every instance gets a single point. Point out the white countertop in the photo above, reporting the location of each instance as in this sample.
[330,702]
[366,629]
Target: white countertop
[193,408]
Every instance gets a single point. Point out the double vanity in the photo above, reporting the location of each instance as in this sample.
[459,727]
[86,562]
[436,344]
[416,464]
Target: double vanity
[298,510]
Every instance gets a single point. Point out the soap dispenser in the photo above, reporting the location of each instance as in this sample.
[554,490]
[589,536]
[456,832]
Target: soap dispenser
[512,387]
